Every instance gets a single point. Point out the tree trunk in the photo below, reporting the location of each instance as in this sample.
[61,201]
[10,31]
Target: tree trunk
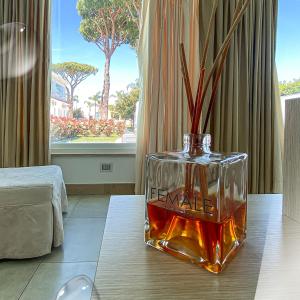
[71,102]
[106,88]
[133,120]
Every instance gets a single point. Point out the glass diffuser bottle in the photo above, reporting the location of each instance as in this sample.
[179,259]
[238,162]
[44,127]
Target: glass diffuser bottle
[196,202]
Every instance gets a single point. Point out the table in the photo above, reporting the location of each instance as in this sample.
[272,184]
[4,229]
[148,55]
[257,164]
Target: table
[267,267]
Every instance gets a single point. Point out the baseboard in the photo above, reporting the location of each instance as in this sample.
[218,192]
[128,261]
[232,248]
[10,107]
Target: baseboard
[101,189]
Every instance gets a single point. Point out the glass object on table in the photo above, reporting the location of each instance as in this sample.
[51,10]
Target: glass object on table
[196,203]
[78,288]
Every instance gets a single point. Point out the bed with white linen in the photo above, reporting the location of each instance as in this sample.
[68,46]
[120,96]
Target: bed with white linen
[31,204]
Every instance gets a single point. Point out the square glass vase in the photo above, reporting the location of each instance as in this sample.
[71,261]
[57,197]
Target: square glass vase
[196,203]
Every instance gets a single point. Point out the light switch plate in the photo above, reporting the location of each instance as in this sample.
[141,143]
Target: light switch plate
[106,167]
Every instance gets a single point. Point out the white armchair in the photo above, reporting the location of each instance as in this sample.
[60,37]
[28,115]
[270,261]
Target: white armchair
[31,204]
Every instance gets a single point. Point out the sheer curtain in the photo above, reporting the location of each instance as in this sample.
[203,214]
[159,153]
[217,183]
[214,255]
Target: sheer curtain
[24,82]
[247,113]
[163,117]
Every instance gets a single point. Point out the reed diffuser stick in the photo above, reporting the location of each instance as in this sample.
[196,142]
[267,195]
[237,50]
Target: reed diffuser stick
[227,40]
[195,109]
[219,72]
[199,103]
[199,99]
[210,25]
[186,78]
[214,89]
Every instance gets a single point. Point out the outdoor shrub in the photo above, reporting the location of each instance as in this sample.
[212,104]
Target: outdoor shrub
[120,127]
[67,128]
[108,127]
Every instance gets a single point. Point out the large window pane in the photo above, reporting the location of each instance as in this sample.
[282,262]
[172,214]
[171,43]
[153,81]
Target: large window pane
[95,90]
[288,50]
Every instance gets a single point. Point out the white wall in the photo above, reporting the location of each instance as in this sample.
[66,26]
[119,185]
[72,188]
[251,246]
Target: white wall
[289,97]
[85,169]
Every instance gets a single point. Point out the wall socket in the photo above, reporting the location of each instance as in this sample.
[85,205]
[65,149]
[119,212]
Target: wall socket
[106,167]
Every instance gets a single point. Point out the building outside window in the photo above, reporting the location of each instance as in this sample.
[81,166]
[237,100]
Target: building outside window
[59,106]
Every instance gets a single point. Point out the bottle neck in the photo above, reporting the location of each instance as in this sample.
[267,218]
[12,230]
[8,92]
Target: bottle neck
[196,144]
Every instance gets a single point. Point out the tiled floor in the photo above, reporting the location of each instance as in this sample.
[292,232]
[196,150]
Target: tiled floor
[41,278]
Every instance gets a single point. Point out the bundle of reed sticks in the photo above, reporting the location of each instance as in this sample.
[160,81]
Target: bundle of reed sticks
[214,73]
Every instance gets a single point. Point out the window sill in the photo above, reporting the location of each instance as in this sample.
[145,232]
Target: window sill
[94,149]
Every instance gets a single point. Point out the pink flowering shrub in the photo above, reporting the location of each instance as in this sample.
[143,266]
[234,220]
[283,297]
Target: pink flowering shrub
[119,127]
[102,127]
[63,127]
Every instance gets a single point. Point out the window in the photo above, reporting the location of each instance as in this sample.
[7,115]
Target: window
[94,91]
[288,50]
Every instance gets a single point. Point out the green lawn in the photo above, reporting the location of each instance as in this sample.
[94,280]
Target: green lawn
[92,139]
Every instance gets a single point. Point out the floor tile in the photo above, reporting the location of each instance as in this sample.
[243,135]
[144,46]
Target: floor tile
[91,207]
[14,276]
[84,225]
[50,277]
[83,237]
[72,202]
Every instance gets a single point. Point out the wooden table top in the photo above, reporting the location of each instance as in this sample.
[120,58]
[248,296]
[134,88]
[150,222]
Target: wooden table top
[267,266]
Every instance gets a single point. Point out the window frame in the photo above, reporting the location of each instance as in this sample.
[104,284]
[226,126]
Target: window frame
[93,148]
[86,148]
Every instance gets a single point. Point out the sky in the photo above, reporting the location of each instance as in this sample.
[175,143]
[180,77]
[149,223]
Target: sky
[69,45]
[288,40]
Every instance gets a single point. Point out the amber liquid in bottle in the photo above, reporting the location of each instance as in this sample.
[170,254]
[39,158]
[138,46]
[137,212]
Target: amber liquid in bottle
[205,242]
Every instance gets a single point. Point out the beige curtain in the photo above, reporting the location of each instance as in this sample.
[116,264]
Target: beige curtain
[24,82]
[247,114]
[163,115]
